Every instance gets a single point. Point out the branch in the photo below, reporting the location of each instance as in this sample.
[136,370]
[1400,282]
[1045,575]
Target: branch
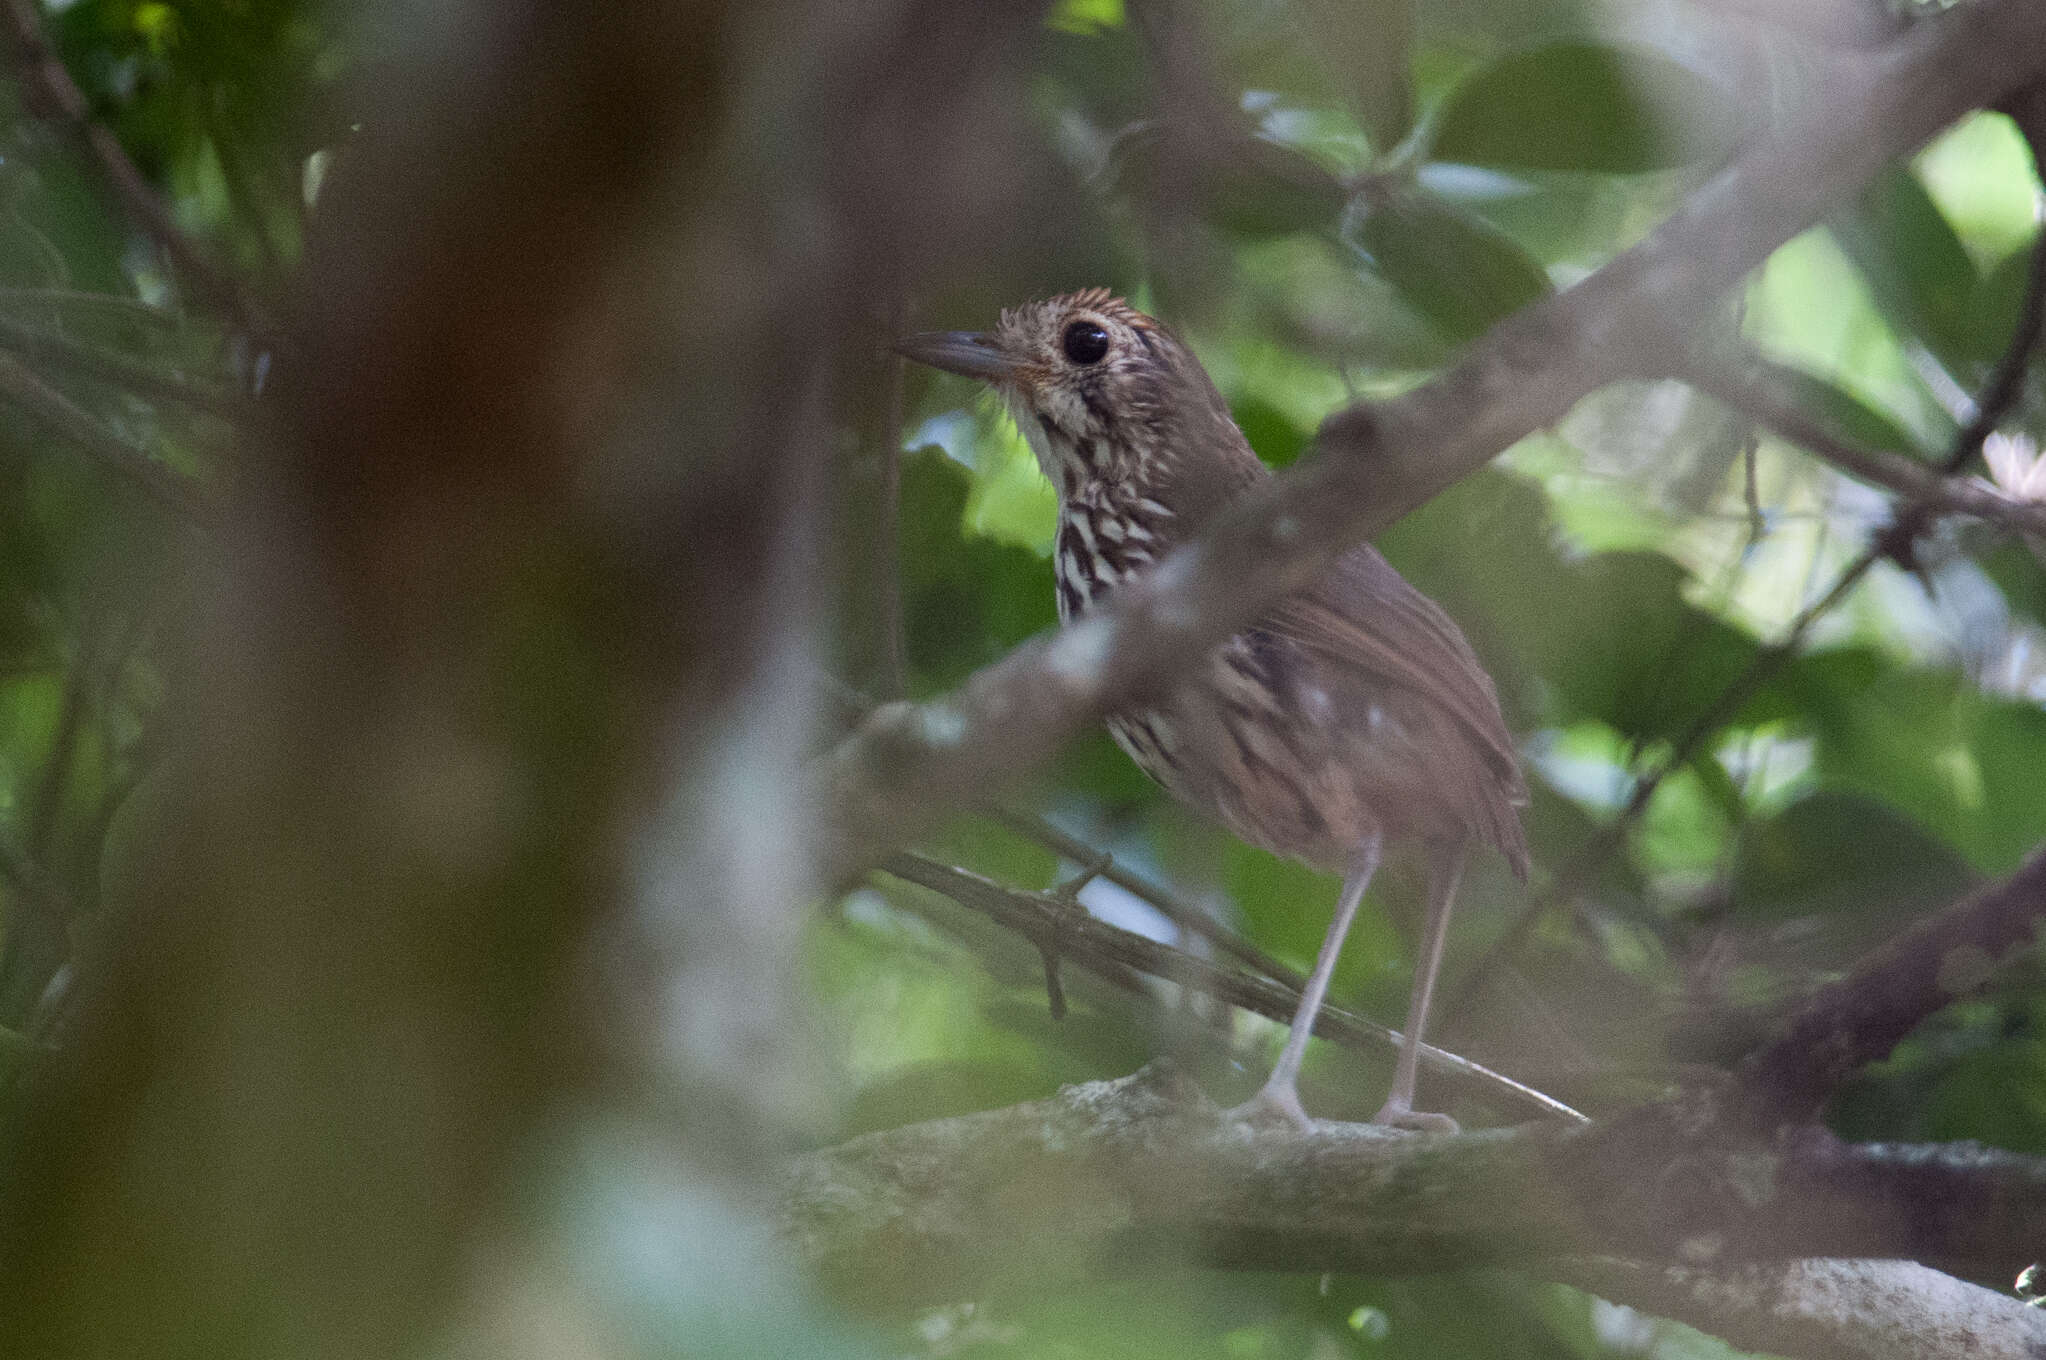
[1862,1017]
[144,380]
[1765,391]
[1182,914]
[1119,1177]
[1825,1309]
[1378,461]
[49,90]
[1065,930]
[131,463]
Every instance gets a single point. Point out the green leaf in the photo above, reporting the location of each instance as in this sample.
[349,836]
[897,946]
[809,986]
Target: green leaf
[1286,908]
[2019,575]
[1833,852]
[1457,269]
[1584,106]
[965,599]
[1995,1095]
[1272,434]
[2000,297]
[1917,269]
[1847,415]
[1252,187]
[1554,215]
[1926,742]
[1621,645]
[1085,16]
[1368,46]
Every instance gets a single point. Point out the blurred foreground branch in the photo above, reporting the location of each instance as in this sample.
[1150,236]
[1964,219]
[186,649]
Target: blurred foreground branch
[1379,460]
[1120,1176]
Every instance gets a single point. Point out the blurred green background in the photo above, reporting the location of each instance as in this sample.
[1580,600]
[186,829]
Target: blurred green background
[1401,176]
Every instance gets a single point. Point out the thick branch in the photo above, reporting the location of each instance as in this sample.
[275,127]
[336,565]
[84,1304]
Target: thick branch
[1121,1176]
[1863,1016]
[1826,1309]
[1378,462]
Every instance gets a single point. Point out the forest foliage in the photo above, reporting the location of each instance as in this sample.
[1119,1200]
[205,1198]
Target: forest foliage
[1381,182]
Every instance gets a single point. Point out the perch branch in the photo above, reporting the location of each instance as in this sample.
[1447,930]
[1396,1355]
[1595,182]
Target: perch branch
[1050,922]
[1115,1177]
[1182,914]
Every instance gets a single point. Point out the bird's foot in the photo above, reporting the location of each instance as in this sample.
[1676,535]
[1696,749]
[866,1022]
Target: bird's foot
[1273,1104]
[1400,1115]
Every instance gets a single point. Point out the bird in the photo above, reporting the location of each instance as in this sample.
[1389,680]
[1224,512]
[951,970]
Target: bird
[1352,714]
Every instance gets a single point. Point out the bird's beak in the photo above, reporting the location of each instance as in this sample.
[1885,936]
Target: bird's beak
[967,353]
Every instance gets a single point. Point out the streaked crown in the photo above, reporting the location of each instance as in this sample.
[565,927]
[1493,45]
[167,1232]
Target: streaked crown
[1108,398]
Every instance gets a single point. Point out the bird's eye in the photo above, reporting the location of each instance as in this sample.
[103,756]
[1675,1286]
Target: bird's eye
[1084,342]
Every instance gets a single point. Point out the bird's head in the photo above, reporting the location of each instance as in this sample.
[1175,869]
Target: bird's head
[1103,393]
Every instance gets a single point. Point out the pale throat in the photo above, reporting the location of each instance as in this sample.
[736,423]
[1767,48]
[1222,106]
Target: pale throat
[1080,461]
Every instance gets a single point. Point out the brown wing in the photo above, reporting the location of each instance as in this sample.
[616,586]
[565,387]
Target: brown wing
[1363,614]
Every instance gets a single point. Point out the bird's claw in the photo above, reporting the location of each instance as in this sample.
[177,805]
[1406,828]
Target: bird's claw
[1272,1105]
[1401,1116]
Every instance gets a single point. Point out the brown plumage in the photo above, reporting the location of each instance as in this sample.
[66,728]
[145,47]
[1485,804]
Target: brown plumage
[1351,713]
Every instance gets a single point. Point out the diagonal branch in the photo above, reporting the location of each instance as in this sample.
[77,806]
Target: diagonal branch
[51,92]
[1182,914]
[1378,461]
[1765,391]
[133,464]
[1862,1017]
[148,380]
[1067,931]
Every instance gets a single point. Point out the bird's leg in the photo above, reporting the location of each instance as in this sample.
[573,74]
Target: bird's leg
[1280,1095]
[1445,870]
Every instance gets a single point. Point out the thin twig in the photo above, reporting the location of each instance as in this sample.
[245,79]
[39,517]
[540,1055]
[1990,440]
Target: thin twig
[130,462]
[42,813]
[1182,914]
[887,529]
[144,380]
[1764,391]
[51,93]
[1093,944]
